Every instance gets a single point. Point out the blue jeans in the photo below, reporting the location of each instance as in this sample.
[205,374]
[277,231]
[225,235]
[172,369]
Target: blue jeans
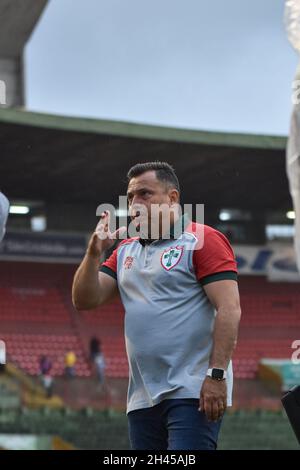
[174,424]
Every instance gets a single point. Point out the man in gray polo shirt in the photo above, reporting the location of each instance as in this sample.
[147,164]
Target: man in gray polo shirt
[182,312]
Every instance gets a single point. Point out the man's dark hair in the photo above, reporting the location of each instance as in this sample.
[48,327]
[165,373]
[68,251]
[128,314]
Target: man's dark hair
[164,172]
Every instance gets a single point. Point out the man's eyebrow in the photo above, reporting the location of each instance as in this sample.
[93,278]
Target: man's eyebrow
[130,193]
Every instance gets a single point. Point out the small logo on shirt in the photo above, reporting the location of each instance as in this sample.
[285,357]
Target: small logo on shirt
[128,262]
[171,257]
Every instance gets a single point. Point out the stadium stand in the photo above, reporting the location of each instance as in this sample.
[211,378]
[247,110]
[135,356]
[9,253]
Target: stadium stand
[269,318]
[37,318]
[35,300]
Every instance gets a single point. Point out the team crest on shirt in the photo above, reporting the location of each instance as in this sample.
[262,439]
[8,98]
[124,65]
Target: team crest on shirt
[171,257]
[128,262]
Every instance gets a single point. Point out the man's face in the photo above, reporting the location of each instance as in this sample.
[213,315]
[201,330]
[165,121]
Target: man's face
[146,191]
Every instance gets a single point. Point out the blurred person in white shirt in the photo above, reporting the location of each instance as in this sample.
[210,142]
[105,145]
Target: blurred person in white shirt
[4,210]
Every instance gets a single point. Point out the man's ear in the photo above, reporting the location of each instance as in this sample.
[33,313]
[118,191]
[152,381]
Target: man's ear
[174,196]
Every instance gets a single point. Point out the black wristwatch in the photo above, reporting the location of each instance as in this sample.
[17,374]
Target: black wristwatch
[217,374]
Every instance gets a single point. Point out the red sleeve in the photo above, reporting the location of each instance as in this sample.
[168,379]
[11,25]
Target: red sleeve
[110,265]
[214,260]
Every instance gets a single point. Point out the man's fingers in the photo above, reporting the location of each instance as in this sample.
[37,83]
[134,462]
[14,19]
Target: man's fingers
[102,228]
[213,399]
[104,221]
[103,231]
[208,409]
[222,408]
[215,411]
[107,221]
[118,233]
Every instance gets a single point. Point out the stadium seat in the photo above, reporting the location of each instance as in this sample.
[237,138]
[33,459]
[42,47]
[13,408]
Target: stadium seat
[37,318]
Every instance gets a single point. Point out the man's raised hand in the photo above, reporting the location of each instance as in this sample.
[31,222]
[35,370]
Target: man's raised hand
[103,239]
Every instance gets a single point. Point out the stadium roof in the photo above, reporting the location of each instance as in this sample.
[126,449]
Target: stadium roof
[17,21]
[128,129]
[55,158]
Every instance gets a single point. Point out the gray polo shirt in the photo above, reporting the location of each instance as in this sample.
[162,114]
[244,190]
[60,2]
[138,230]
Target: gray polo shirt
[169,320]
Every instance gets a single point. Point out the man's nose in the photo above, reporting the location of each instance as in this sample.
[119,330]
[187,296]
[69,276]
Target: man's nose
[133,209]
[137,208]
[137,201]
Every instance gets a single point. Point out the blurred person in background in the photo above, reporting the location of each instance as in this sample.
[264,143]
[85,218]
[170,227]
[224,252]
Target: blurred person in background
[97,358]
[100,366]
[4,211]
[70,362]
[94,348]
[47,379]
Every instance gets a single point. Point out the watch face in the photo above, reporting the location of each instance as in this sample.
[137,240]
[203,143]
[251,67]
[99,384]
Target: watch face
[217,374]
